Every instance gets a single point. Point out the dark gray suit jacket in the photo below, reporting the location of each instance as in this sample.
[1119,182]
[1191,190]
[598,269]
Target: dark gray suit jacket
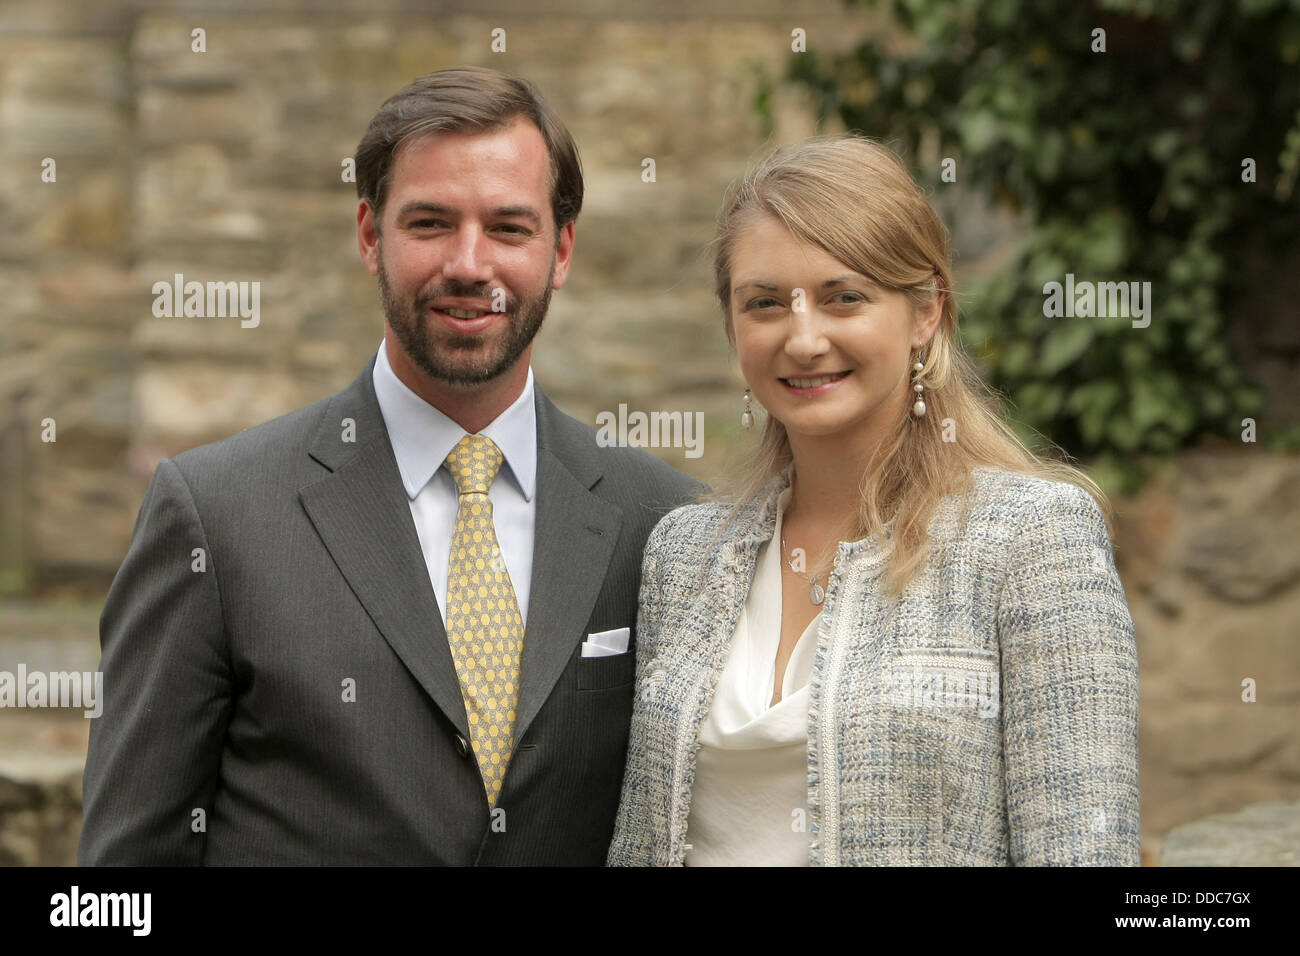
[225,736]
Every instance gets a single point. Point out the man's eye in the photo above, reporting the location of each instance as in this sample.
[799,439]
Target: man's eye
[517,230]
[426,223]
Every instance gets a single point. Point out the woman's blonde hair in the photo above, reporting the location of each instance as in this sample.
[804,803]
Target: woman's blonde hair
[854,199]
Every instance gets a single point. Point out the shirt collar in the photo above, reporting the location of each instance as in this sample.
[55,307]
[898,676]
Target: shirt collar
[422,436]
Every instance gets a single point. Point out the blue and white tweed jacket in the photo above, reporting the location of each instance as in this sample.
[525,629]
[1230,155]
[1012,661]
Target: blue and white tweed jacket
[987,717]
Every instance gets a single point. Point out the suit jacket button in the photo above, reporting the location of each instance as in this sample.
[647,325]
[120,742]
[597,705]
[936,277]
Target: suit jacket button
[462,745]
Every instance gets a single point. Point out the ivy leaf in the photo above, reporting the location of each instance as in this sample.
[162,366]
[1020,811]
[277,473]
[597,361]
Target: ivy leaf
[978,131]
[1040,400]
[1063,344]
[1147,404]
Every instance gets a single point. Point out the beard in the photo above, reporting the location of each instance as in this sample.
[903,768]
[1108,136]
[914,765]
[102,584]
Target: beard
[462,360]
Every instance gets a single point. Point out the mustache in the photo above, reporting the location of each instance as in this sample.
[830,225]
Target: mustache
[482,292]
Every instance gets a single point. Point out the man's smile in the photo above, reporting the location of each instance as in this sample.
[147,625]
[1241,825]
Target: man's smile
[467,321]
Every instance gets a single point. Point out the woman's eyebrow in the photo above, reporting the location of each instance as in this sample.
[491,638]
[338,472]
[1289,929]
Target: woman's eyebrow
[764,286]
[854,278]
[828,284]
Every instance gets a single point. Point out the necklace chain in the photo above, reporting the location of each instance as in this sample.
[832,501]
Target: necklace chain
[816,593]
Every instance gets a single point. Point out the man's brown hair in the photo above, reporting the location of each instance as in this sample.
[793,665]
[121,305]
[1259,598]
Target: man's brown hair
[465,99]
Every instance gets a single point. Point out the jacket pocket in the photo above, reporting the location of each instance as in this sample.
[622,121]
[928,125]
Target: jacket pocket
[957,680]
[603,673]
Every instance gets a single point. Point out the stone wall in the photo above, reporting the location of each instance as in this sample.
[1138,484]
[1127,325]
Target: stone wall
[1210,558]
[226,165]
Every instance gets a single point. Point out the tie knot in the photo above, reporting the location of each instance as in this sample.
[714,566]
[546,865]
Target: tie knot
[473,463]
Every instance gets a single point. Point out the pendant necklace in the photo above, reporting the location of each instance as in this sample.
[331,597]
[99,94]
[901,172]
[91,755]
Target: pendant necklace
[817,593]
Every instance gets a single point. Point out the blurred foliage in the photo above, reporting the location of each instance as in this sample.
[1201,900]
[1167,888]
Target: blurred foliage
[1127,165]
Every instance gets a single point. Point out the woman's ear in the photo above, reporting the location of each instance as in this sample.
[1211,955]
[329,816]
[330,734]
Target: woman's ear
[925,320]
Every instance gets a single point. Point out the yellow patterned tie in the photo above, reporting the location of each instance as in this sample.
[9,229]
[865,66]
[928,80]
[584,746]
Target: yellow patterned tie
[484,628]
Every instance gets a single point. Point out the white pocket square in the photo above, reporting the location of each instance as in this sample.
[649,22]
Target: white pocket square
[607,643]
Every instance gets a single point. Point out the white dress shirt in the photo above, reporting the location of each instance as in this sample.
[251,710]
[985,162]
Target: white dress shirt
[750,797]
[422,437]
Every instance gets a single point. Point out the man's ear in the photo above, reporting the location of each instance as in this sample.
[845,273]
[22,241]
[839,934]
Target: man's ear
[368,236]
[566,238]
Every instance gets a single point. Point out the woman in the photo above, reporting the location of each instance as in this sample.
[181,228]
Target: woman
[904,641]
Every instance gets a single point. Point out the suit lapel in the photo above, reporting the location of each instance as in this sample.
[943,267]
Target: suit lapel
[574,539]
[363,518]
[362,515]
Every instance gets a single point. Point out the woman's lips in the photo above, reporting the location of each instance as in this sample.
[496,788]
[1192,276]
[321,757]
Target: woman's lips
[821,389]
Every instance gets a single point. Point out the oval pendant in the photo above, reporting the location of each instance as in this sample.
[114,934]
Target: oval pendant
[817,594]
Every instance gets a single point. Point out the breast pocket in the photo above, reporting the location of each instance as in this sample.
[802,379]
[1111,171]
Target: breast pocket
[604,673]
[948,680]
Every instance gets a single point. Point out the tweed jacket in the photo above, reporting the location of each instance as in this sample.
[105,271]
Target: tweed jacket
[988,716]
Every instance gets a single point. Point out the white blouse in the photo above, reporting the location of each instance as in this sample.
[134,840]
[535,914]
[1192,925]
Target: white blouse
[749,801]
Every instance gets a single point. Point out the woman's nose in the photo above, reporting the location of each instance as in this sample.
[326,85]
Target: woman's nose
[806,338]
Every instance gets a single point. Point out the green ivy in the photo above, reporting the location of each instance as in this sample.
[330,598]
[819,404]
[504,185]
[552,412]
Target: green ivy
[1127,165]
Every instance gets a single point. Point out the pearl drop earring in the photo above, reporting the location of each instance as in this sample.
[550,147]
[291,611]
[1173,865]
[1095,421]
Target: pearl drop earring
[918,407]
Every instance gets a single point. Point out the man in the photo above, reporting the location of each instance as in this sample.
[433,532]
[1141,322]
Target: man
[393,627]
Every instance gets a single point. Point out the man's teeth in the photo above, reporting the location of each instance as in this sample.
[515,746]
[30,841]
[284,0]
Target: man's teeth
[814,382]
[463,313]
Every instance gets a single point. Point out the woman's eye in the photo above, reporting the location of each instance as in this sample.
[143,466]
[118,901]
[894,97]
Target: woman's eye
[853,298]
[764,303]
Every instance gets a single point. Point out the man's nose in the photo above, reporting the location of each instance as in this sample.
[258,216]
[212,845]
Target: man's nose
[467,257]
